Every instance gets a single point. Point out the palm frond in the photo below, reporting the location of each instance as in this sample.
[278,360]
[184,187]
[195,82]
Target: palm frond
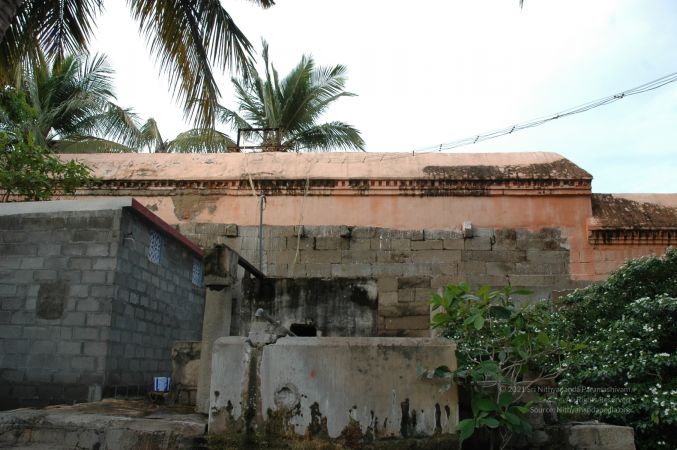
[118,124]
[186,36]
[57,27]
[87,144]
[228,117]
[200,140]
[327,137]
[151,137]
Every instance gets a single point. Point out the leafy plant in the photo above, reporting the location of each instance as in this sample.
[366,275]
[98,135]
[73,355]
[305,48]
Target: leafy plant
[33,173]
[499,344]
[627,372]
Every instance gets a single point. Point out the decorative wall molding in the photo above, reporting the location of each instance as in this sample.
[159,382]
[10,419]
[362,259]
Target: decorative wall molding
[632,236]
[350,187]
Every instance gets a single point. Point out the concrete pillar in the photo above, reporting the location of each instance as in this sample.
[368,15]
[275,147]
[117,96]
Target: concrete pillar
[220,276]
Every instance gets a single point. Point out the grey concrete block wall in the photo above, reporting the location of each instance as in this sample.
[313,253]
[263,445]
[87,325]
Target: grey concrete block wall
[408,265]
[57,276]
[155,305]
[66,305]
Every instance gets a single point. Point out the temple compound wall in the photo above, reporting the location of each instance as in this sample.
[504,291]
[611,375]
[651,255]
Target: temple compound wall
[409,223]
[93,294]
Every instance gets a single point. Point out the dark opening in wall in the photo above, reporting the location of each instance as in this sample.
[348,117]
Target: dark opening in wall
[302,329]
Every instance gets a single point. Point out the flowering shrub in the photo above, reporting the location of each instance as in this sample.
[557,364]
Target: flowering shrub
[627,372]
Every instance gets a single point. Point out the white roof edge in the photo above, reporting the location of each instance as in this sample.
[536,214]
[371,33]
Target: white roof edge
[53,206]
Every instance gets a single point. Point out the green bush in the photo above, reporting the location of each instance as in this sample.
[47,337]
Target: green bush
[34,173]
[627,372]
[499,345]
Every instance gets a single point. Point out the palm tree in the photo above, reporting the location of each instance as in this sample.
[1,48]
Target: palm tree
[73,106]
[293,106]
[71,110]
[188,37]
[197,140]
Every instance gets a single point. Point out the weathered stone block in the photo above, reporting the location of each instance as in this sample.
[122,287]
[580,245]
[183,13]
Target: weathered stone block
[387,284]
[364,233]
[387,298]
[359,244]
[413,282]
[318,270]
[421,322]
[357,256]
[405,295]
[545,257]
[436,244]
[351,270]
[478,243]
[394,310]
[330,243]
[601,436]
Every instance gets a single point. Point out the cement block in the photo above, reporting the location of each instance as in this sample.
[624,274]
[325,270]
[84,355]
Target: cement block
[83,363]
[478,243]
[69,348]
[98,319]
[32,263]
[10,332]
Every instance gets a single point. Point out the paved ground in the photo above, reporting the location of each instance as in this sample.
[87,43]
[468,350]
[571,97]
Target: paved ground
[105,425]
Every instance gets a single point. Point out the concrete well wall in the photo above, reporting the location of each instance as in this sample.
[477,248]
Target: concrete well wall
[320,387]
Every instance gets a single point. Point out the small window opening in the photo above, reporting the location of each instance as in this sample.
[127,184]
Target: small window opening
[303,330]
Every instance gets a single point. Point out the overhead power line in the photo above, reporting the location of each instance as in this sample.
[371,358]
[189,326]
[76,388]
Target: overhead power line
[650,86]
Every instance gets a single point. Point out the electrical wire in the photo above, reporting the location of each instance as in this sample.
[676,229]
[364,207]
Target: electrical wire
[650,86]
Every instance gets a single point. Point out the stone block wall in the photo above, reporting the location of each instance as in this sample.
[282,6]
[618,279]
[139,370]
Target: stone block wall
[68,328]
[407,265]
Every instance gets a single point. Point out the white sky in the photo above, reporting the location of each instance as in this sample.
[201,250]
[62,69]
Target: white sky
[435,71]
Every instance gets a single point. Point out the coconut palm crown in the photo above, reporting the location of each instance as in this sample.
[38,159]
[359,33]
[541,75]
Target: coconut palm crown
[189,38]
[73,106]
[293,105]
